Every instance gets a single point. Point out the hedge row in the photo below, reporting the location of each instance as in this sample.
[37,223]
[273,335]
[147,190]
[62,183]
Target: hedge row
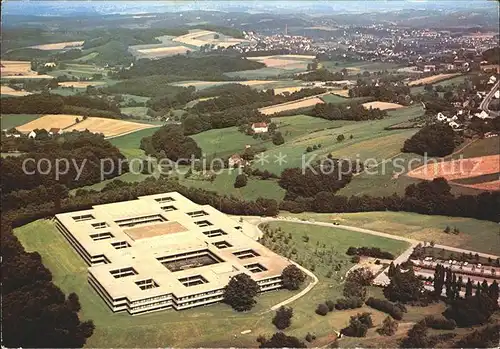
[385,306]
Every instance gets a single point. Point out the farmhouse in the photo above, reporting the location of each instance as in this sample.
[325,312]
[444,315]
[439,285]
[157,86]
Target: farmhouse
[260,127]
[236,160]
[55,131]
[32,134]
[164,251]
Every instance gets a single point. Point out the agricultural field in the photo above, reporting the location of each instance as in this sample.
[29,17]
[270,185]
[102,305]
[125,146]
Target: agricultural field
[19,70]
[298,104]
[81,84]
[287,62]
[157,52]
[59,45]
[224,185]
[9,91]
[458,169]
[477,235]
[7,121]
[49,121]
[481,147]
[200,85]
[454,80]
[109,127]
[215,325]
[382,105]
[198,38]
[354,68]
[132,140]
[295,148]
[80,70]
[432,79]
[264,73]
[137,112]
[224,142]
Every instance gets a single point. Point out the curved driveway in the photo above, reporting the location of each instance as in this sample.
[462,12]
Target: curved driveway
[381,279]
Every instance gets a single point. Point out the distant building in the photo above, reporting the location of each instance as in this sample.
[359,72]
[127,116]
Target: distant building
[236,160]
[483,115]
[50,65]
[55,131]
[429,68]
[164,251]
[260,127]
[32,134]
[441,117]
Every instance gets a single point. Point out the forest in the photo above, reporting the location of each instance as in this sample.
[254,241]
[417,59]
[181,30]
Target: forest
[209,68]
[353,111]
[47,103]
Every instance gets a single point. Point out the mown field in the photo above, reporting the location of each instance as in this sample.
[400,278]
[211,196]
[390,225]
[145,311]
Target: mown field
[477,235]
[358,67]
[294,148]
[212,326]
[454,80]
[481,147]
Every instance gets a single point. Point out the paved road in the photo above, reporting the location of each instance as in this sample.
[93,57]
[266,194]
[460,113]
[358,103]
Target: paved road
[301,293]
[487,100]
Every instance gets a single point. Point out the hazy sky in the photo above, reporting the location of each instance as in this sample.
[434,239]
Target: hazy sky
[108,7]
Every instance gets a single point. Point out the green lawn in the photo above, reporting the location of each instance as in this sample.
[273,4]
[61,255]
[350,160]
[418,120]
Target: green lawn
[224,185]
[331,98]
[138,112]
[8,121]
[132,140]
[263,73]
[295,148]
[225,142]
[482,147]
[212,326]
[477,235]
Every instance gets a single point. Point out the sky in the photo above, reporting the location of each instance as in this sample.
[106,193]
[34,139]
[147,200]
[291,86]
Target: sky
[59,8]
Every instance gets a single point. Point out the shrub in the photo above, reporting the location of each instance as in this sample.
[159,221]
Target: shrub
[386,307]
[355,259]
[241,181]
[322,309]
[358,325]
[440,323]
[310,337]
[330,304]
[374,252]
[389,327]
[283,318]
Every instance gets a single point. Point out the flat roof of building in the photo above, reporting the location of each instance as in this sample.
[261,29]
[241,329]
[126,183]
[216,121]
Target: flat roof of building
[166,241]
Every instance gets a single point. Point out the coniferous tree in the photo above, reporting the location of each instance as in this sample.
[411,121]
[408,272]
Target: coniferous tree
[484,287]
[478,289]
[392,269]
[468,288]
[493,291]
[438,279]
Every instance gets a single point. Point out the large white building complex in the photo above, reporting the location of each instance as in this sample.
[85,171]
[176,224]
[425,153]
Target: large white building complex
[163,251]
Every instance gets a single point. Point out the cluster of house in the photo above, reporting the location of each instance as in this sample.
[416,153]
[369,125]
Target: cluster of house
[14,133]
[236,160]
[291,43]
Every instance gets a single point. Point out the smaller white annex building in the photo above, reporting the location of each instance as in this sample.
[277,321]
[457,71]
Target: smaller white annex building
[164,251]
